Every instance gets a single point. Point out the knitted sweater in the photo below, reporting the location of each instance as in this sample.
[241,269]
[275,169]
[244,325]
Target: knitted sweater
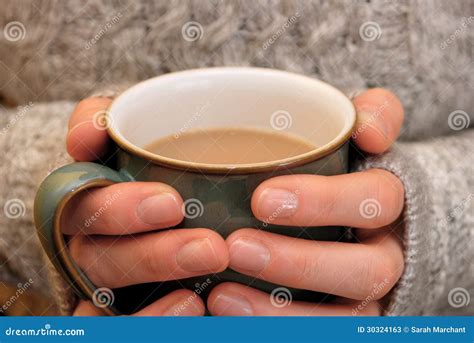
[53,53]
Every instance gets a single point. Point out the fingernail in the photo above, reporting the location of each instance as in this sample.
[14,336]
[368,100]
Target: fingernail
[159,209]
[231,305]
[276,203]
[198,256]
[249,254]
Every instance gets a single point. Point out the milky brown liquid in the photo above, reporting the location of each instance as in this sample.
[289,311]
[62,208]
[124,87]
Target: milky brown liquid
[230,146]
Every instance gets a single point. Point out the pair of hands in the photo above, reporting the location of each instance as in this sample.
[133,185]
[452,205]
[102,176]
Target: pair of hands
[360,274]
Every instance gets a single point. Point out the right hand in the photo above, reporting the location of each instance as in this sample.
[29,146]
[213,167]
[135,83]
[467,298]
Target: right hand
[103,223]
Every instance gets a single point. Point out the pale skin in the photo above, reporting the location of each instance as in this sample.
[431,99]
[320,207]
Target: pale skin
[361,272]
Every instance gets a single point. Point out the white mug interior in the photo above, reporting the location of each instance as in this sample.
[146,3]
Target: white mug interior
[175,103]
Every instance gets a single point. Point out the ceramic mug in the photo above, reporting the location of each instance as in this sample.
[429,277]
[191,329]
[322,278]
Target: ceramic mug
[202,98]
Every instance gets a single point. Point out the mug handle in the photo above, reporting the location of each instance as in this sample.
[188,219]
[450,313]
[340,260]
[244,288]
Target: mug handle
[53,194]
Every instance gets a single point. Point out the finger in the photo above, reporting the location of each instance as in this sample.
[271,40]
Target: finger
[232,299]
[379,119]
[111,261]
[123,208]
[87,309]
[178,303]
[87,140]
[369,199]
[349,270]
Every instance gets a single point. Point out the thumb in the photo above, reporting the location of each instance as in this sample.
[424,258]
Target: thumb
[87,138]
[379,119]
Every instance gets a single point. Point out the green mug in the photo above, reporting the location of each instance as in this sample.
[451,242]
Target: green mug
[216,196]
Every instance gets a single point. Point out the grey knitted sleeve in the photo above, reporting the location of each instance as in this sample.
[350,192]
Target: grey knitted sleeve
[32,141]
[438,224]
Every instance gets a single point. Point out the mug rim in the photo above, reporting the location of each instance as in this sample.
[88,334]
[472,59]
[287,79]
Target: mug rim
[245,168]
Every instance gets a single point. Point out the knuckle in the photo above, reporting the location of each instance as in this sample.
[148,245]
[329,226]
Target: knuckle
[85,254]
[383,275]
[306,268]
[150,263]
[373,283]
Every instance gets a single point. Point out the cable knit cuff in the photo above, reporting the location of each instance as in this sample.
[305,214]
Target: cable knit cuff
[438,180]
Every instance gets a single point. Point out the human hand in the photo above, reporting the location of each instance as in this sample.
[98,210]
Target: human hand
[103,224]
[358,273]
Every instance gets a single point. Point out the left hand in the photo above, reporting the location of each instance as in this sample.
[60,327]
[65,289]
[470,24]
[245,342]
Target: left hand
[359,273]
